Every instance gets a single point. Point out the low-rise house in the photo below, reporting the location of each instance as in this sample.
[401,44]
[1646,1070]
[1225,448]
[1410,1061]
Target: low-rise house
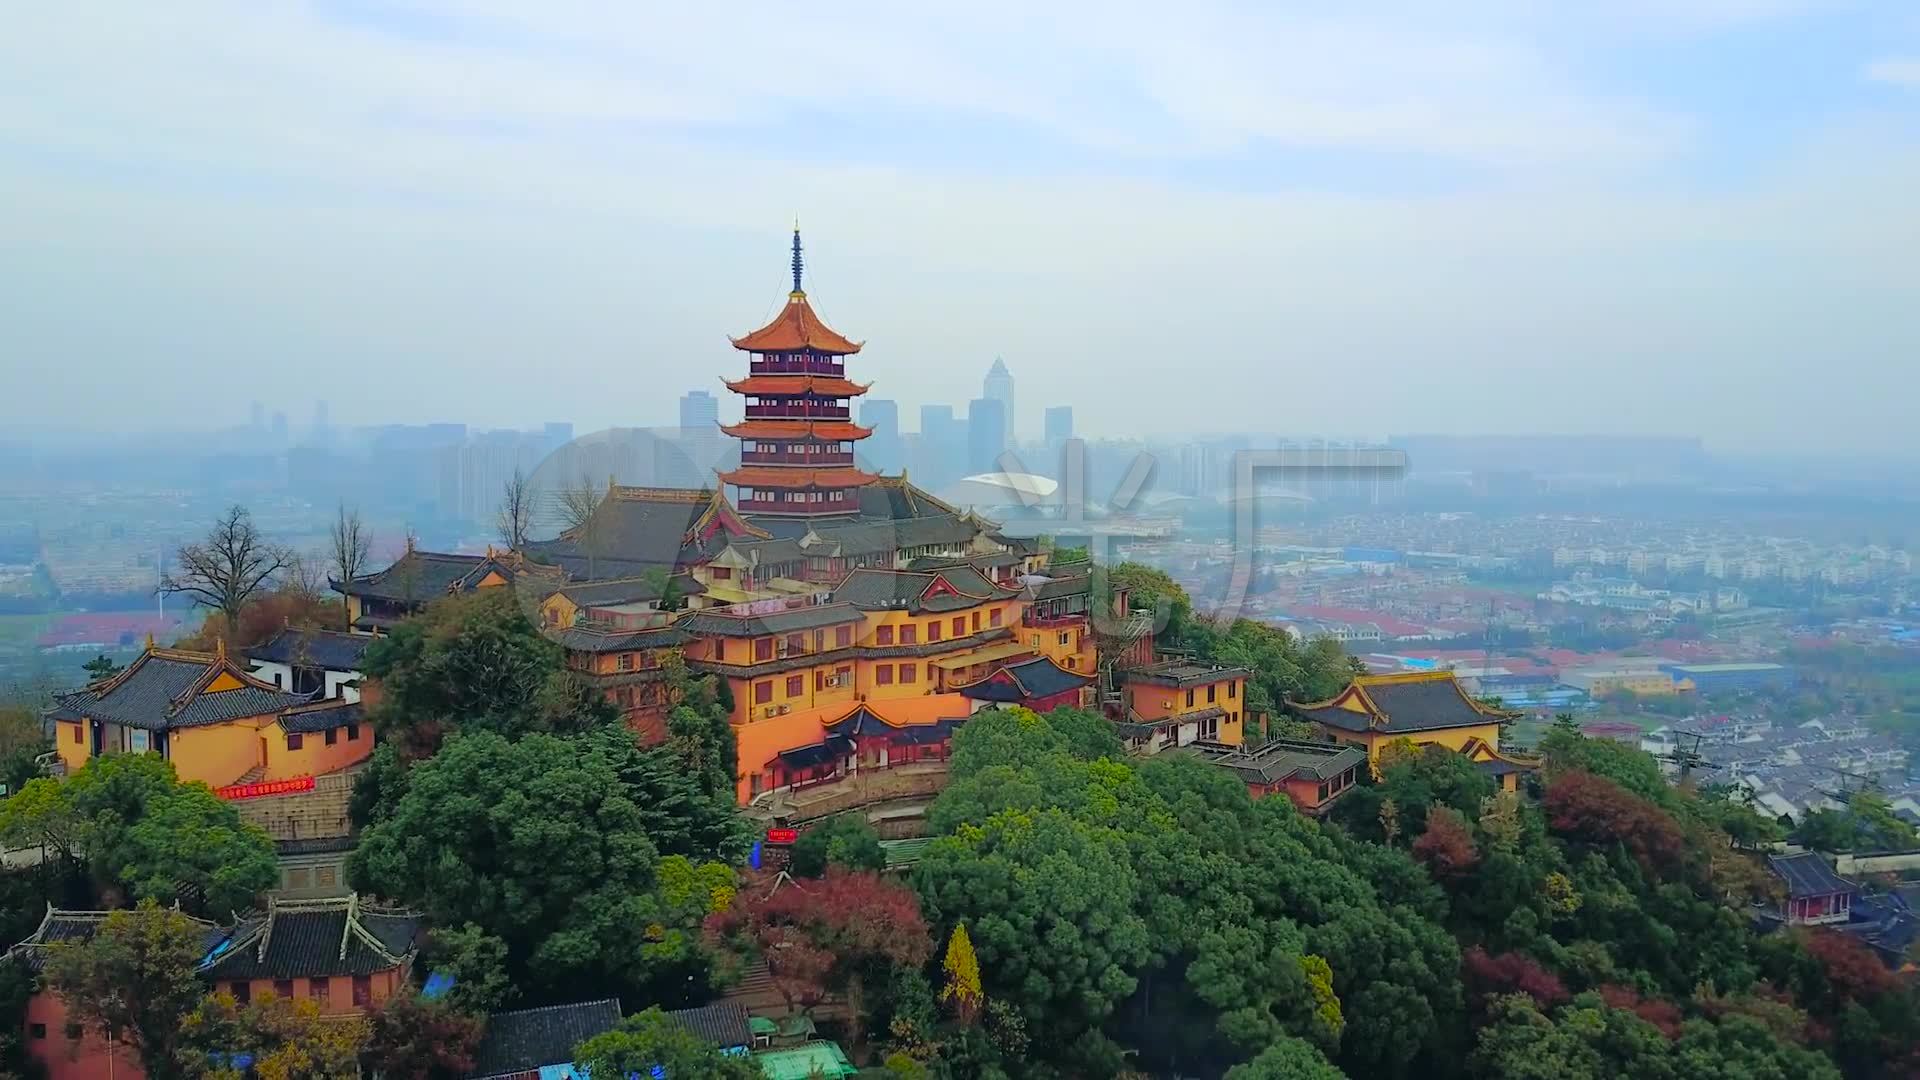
[1313,775]
[1426,708]
[67,1051]
[1179,702]
[320,663]
[344,956]
[1815,894]
[215,721]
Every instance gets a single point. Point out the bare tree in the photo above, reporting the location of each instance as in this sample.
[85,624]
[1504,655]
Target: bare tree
[350,544]
[229,567]
[516,510]
[577,508]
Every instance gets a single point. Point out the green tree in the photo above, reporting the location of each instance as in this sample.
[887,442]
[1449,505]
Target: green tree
[846,840]
[287,1039]
[23,738]
[1287,1059]
[134,981]
[700,727]
[552,845]
[1021,879]
[477,963]
[101,667]
[141,834]
[652,1040]
[476,662]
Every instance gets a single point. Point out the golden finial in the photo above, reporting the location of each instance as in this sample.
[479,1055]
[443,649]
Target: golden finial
[220,647]
[149,641]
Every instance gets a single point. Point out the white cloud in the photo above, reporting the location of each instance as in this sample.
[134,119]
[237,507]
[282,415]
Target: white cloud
[1897,71]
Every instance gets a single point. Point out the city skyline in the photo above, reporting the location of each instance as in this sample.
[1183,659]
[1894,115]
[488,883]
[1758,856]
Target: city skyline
[1473,216]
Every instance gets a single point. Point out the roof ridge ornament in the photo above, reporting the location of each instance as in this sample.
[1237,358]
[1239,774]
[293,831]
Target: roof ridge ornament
[797,261]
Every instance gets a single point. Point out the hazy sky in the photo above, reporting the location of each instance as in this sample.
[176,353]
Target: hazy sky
[1676,216]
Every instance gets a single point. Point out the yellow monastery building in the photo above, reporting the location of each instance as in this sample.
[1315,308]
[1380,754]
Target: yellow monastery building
[1427,708]
[212,719]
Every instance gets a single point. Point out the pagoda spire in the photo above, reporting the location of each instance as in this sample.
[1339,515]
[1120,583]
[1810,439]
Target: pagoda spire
[796,256]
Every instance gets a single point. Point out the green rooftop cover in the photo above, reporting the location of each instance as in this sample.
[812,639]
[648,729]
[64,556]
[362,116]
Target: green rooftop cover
[801,1062]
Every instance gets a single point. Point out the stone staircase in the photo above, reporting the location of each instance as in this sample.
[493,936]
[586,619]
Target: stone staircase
[307,815]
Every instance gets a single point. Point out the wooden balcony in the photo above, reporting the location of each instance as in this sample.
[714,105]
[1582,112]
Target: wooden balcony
[764,364]
[778,457]
[795,410]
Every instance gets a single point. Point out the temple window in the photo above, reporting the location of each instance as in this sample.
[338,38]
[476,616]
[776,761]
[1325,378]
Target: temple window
[909,634]
[909,672]
[883,675]
[763,692]
[883,635]
[796,685]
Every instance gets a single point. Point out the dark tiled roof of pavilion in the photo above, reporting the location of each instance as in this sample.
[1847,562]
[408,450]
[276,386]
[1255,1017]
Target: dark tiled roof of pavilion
[1279,760]
[416,577]
[315,938]
[722,1025]
[906,590]
[526,1040]
[637,528]
[1036,678]
[590,639]
[165,689]
[604,592]
[1049,588]
[1808,874]
[1399,703]
[863,720]
[939,731]
[791,620]
[60,927]
[332,650]
[820,753]
[1182,673]
[321,716]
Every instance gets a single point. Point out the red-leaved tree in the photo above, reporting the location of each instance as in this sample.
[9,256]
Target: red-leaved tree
[825,935]
[1659,1012]
[1490,975]
[1446,847]
[1853,970]
[1595,810]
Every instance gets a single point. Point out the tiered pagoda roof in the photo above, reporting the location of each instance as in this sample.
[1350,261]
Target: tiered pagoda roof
[829,430]
[833,386]
[774,476]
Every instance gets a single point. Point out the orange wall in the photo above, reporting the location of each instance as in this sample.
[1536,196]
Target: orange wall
[219,754]
[66,1059]
[759,741]
[314,756]
[339,989]
[73,754]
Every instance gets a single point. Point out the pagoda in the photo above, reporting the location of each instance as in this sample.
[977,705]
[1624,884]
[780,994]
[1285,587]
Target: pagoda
[796,443]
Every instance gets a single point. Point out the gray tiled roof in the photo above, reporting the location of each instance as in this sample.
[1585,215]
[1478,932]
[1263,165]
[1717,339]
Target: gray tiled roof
[587,639]
[777,622]
[1185,673]
[1036,678]
[60,927]
[415,577]
[722,1024]
[332,650]
[321,716]
[309,938]
[156,694]
[886,590]
[1808,874]
[526,1040]
[1276,761]
[1418,705]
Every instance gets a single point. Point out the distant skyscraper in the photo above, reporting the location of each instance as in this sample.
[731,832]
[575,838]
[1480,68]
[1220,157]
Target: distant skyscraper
[557,433]
[998,386]
[1059,424]
[940,455]
[986,434]
[280,427]
[257,416]
[698,409]
[320,419]
[883,450]
[699,440]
